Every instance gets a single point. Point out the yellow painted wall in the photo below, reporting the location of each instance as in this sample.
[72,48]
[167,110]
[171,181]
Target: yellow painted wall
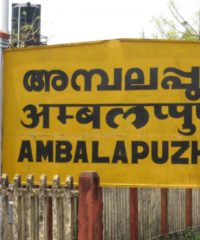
[115,131]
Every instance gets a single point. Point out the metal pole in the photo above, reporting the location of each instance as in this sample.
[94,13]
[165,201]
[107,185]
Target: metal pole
[4,36]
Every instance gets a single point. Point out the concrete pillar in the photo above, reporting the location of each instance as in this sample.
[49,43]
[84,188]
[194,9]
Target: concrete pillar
[90,207]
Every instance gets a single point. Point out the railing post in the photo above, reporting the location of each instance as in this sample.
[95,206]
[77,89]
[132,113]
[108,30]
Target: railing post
[29,208]
[57,209]
[133,213]
[68,216]
[43,208]
[17,218]
[4,207]
[90,207]
[188,208]
[164,228]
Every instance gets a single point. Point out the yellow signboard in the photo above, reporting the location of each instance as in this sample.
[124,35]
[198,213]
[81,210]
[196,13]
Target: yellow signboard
[128,109]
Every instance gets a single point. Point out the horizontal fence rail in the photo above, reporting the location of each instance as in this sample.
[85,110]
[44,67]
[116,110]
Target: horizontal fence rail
[37,212]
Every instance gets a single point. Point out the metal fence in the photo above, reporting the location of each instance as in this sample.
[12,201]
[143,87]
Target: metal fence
[38,212]
[52,212]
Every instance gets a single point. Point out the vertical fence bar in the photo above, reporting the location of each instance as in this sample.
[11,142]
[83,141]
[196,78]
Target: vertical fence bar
[57,209]
[195,207]
[67,205]
[50,219]
[4,206]
[55,186]
[188,208]
[23,212]
[176,209]
[43,208]
[29,233]
[133,213]
[36,213]
[75,213]
[90,225]
[164,229]
[17,220]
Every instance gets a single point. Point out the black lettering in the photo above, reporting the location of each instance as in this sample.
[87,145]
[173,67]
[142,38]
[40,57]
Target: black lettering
[87,77]
[188,128]
[38,80]
[25,152]
[59,80]
[135,80]
[176,157]
[63,151]
[195,152]
[164,152]
[44,151]
[140,150]
[111,115]
[173,81]
[134,76]
[34,80]
[63,116]
[120,153]
[33,115]
[140,120]
[81,152]
[86,115]
[117,82]
[95,154]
